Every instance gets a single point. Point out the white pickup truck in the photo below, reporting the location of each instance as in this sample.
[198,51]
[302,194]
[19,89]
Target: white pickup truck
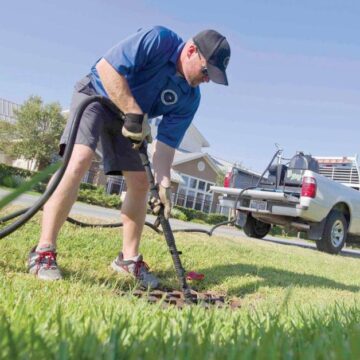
[296,196]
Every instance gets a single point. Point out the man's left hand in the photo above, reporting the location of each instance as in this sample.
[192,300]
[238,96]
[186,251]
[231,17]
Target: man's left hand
[165,200]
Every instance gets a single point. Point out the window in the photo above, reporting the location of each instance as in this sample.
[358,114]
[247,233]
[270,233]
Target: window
[201,185]
[207,203]
[190,199]
[186,180]
[115,185]
[89,177]
[199,201]
[194,194]
[181,197]
[114,188]
[192,183]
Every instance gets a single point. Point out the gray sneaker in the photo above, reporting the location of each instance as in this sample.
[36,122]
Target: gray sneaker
[42,263]
[137,269]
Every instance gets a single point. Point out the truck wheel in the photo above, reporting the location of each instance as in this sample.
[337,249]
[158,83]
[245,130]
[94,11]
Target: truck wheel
[335,232]
[256,228]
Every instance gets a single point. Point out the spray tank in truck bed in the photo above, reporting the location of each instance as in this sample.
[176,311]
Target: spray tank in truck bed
[291,173]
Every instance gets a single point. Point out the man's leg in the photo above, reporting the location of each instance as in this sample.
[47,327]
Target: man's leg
[133,212]
[59,205]
[42,259]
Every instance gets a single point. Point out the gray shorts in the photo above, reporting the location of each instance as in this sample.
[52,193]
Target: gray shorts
[101,129]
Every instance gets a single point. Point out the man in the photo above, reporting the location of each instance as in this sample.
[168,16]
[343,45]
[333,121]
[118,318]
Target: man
[150,73]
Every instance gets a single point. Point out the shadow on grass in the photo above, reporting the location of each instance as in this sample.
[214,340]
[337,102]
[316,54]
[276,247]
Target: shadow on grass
[113,280]
[344,252]
[216,275]
[265,277]
[269,277]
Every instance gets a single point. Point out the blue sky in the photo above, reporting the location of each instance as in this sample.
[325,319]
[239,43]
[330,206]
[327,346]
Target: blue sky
[294,72]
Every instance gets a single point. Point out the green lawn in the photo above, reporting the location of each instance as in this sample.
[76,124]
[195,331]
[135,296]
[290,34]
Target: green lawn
[295,302]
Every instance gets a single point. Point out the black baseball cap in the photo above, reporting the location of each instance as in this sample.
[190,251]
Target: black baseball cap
[216,50]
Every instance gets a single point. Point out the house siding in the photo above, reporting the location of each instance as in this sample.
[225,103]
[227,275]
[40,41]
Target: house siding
[191,168]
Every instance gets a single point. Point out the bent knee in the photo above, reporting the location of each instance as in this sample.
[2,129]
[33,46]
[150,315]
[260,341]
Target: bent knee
[80,160]
[137,181]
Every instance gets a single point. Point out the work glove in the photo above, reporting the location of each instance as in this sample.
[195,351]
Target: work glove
[136,128]
[165,200]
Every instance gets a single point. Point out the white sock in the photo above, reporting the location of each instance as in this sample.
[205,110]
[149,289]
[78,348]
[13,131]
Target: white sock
[46,247]
[134,258]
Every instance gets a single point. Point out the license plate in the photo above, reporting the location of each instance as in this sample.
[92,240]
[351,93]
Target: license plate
[258,204]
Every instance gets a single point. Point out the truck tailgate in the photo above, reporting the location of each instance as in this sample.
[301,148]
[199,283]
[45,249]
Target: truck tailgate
[258,194]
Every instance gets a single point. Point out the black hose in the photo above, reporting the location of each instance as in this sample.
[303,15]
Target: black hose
[254,186]
[152,226]
[165,225]
[207,232]
[111,225]
[13,215]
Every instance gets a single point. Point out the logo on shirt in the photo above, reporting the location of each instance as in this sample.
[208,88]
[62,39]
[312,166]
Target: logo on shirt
[169,97]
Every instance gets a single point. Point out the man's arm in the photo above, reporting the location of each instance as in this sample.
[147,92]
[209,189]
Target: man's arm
[163,157]
[117,88]
[136,126]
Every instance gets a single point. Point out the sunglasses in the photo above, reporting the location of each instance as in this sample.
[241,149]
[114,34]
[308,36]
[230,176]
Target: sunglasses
[204,69]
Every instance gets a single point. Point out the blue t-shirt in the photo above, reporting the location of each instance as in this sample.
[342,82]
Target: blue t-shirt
[147,60]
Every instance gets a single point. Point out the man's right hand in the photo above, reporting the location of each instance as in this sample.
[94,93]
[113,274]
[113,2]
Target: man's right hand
[164,199]
[136,128]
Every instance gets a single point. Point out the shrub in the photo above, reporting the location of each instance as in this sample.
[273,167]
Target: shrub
[17,175]
[86,186]
[285,232]
[191,213]
[18,180]
[276,230]
[201,217]
[8,181]
[178,214]
[98,196]
[40,187]
[216,218]
[13,177]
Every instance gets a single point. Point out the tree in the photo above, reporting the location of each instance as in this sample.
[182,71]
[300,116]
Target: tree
[35,134]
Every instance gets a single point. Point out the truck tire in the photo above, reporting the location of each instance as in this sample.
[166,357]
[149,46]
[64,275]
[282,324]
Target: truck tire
[335,233]
[256,228]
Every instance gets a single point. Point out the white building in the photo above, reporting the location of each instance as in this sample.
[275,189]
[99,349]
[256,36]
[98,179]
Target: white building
[7,110]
